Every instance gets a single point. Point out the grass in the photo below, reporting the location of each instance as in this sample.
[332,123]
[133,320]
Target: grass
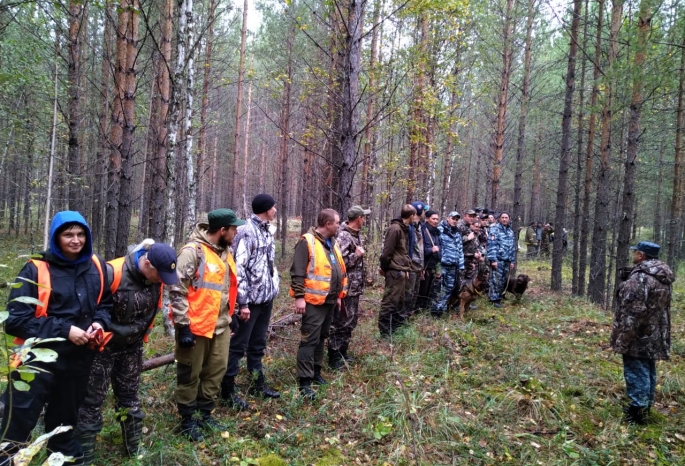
[533,383]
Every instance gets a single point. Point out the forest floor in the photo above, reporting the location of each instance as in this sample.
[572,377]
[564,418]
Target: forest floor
[531,384]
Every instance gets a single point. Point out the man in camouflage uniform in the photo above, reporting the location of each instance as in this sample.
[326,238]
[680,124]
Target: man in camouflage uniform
[502,257]
[452,261]
[641,330]
[416,254]
[546,240]
[468,229]
[531,241]
[345,318]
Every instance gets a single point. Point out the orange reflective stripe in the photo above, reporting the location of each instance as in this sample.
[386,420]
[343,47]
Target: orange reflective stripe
[317,282]
[204,293]
[96,261]
[117,271]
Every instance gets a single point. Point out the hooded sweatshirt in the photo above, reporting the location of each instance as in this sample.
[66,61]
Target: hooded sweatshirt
[75,289]
[642,320]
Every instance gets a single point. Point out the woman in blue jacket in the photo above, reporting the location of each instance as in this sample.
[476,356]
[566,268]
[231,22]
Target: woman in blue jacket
[76,303]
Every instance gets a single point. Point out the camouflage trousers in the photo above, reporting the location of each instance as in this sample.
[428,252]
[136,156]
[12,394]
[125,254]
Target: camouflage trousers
[640,376]
[470,267]
[122,367]
[343,323]
[498,281]
[450,279]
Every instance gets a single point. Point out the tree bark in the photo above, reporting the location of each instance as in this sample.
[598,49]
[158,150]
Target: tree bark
[630,171]
[202,140]
[675,227]
[502,102]
[188,156]
[236,189]
[370,132]
[598,275]
[76,11]
[564,160]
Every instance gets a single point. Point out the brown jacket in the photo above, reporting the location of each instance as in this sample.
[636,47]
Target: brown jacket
[395,254]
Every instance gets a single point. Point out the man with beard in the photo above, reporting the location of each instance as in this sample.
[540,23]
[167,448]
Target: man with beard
[429,288]
[202,304]
[641,330]
[318,284]
[345,318]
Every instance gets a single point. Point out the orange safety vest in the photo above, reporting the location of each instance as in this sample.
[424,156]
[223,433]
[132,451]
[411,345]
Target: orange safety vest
[204,292]
[45,288]
[317,282]
[118,270]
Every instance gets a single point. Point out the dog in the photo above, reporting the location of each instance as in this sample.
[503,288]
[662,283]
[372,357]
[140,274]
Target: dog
[468,292]
[518,286]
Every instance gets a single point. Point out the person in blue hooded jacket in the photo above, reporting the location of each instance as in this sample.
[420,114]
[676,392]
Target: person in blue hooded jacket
[77,304]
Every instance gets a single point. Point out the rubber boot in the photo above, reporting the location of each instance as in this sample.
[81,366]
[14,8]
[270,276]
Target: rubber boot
[636,415]
[230,396]
[317,379]
[190,429]
[210,424]
[260,388]
[306,391]
[335,360]
[349,359]
[87,441]
[132,433]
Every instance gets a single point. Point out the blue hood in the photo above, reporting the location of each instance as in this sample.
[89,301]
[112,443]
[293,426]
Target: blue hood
[62,218]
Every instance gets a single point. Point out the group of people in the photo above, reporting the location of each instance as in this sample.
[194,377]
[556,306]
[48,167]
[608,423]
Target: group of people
[96,315]
[540,237]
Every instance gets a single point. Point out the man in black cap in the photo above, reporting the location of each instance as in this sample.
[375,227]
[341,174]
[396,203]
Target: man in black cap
[641,330]
[255,255]
[202,305]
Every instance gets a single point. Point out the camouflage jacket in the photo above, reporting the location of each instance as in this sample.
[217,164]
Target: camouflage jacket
[531,236]
[642,320]
[470,246]
[416,253]
[348,241]
[501,244]
[452,252]
[186,268]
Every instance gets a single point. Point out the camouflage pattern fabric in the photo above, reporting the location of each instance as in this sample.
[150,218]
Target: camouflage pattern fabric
[642,320]
[501,244]
[348,241]
[343,323]
[498,281]
[640,376]
[123,369]
[450,279]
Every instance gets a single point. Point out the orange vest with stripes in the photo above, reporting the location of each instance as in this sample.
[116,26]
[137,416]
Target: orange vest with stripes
[317,282]
[45,288]
[117,272]
[205,291]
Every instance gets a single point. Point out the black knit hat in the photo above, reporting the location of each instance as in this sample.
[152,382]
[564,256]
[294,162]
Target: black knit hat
[262,203]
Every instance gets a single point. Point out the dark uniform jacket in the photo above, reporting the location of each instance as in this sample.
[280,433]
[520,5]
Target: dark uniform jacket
[431,237]
[395,253]
[642,321]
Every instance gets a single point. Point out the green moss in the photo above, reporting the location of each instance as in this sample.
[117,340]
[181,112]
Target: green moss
[331,457]
[272,460]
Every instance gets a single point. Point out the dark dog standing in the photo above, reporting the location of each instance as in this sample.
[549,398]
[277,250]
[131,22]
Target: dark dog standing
[518,286]
[468,292]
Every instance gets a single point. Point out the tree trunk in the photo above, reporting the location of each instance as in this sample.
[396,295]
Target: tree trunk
[190,174]
[521,141]
[246,149]
[417,127]
[590,153]
[675,227]
[51,165]
[564,160]
[236,189]
[202,141]
[369,132]
[76,22]
[630,171]
[578,213]
[658,216]
[500,126]
[598,274]
[284,125]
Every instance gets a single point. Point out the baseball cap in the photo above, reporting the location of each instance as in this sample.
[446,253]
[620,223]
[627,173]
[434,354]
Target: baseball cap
[470,212]
[454,213]
[357,211]
[420,207]
[223,218]
[163,258]
[648,248]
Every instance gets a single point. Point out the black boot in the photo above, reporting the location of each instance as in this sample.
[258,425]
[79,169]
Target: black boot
[87,441]
[229,395]
[210,424]
[349,359]
[132,432]
[317,379]
[260,388]
[335,361]
[636,415]
[190,429]
[306,391]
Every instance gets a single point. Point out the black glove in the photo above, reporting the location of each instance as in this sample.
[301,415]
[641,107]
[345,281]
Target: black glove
[185,337]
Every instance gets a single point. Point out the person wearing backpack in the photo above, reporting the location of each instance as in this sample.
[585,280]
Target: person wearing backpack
[136,282]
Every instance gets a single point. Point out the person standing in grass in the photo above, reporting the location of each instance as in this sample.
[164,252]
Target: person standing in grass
[319,283]
[136,283]
[641,330]
[502,257]
[345,318]
[452,261]
[258,281]
[202,304]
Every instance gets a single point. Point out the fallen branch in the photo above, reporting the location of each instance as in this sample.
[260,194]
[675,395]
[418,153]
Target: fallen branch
[159,361]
